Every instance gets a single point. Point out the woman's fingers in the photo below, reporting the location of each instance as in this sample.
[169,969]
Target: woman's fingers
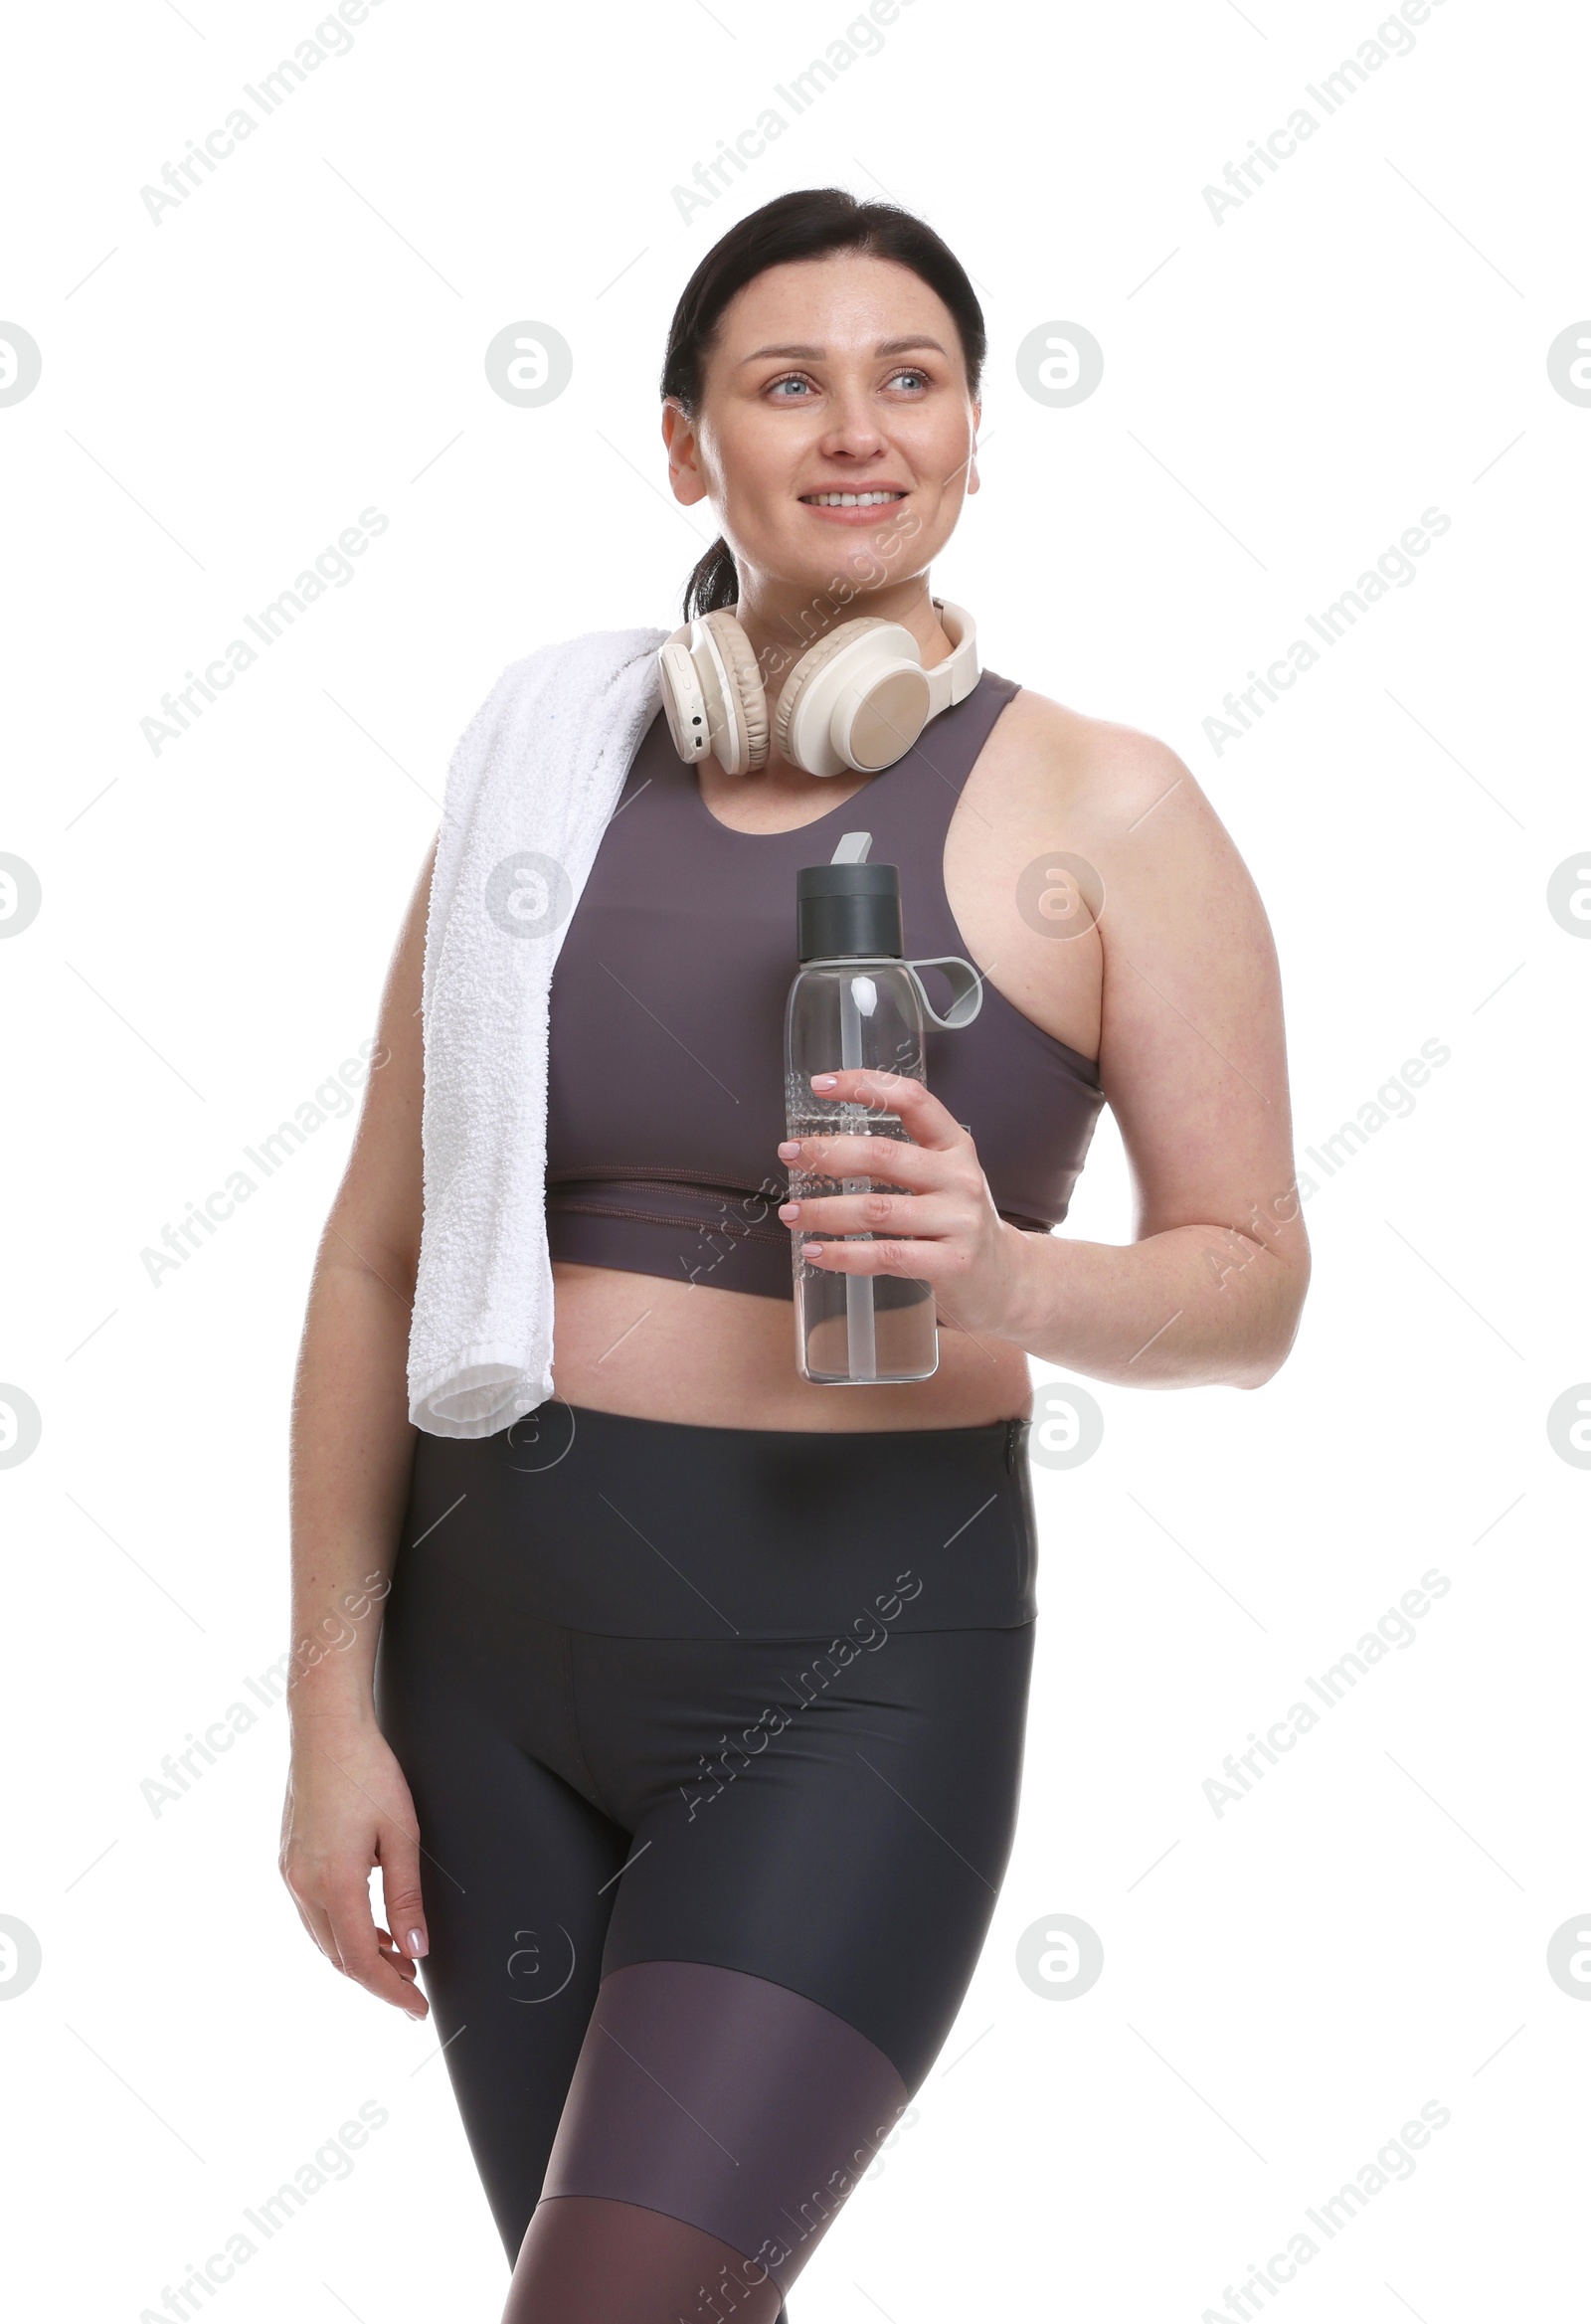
[879,1214]
[399,1853]
[928,1227]
[916,1167]
[925,1120]
[394,1958]
[360,1954]
[942,1227]
[933,1145]
[928,1261]
[336,1912]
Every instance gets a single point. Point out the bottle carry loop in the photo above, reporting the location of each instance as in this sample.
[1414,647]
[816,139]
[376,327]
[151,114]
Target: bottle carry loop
[964,980]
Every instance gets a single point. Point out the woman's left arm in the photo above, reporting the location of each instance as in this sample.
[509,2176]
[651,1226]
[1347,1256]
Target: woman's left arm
[1193,1064]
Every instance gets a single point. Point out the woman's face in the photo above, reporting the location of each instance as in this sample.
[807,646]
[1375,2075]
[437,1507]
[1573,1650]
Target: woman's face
[834,375]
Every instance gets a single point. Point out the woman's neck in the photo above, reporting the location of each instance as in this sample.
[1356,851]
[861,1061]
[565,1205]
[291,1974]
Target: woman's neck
[782,623]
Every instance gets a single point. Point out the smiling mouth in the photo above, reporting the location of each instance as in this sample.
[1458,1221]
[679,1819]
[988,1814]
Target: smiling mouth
[868,499]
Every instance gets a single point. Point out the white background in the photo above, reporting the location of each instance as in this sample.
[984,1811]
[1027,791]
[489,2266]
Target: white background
[1285,391]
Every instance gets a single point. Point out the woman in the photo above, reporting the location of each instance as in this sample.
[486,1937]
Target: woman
[692,1753]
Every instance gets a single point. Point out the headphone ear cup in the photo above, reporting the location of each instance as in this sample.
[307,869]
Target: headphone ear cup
[801,676]
[684,702]
[806,670]
[747,680]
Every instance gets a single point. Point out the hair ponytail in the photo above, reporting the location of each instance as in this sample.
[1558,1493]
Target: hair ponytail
[713,581]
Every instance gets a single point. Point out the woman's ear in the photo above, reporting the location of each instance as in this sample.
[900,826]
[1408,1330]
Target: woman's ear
[684,472]
[971,460]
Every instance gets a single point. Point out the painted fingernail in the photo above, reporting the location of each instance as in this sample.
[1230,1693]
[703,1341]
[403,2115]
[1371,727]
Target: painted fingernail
[417,1943]
[789,1149]
[789,1213]
[823,1080]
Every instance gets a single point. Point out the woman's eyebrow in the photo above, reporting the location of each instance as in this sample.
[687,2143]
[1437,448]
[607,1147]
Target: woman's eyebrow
[815,354]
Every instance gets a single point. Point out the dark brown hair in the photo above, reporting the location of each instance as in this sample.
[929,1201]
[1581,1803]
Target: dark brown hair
[803,225]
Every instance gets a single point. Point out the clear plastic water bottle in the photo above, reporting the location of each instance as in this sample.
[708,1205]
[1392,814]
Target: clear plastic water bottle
[856,1002]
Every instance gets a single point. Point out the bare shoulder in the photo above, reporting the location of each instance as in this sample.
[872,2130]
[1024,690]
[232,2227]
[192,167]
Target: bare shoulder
[1123,801]
[1097,774]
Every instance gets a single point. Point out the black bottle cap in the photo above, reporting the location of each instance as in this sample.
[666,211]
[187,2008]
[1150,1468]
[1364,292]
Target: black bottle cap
[848,911]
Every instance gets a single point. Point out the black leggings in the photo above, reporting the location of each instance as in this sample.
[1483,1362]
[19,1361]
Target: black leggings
[715,1740]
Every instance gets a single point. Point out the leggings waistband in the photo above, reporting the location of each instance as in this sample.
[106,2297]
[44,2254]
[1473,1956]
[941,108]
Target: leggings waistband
[653,1528]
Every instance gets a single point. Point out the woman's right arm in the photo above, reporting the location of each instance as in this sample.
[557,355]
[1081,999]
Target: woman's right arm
[348,1807]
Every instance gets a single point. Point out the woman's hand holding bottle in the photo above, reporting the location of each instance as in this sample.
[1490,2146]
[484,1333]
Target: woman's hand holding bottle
[940,1227]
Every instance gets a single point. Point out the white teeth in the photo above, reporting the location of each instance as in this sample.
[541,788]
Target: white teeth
[851,499]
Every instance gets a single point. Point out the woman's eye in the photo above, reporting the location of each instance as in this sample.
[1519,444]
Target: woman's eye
[912,377]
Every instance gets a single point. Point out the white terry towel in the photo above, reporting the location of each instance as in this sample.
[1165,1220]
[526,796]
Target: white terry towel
[531,786]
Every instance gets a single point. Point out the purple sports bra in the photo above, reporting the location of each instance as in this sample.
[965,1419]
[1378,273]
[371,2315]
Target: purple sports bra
[665,1063]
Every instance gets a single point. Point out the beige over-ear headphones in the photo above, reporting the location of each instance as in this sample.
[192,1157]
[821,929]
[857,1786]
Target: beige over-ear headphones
[858,699]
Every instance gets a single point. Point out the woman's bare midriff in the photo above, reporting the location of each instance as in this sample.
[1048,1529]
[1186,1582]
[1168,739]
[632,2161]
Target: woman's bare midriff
[662,1351]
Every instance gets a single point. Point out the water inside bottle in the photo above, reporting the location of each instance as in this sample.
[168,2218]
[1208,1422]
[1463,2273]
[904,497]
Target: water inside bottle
[855,1329]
